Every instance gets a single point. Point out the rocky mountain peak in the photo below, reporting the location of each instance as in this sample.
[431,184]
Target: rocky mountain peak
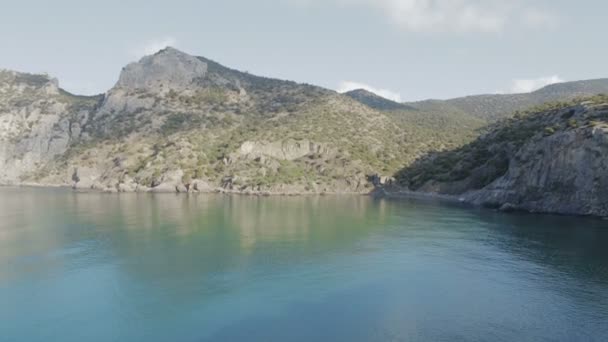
[13,82]
[168,68]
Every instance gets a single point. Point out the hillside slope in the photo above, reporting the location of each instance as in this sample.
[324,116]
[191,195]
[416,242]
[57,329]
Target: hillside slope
[499,106]
[38,122]
[376,101]
[175,122]
[551,159]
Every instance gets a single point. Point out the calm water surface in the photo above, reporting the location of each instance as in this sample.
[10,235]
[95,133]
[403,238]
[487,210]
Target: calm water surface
[101,267]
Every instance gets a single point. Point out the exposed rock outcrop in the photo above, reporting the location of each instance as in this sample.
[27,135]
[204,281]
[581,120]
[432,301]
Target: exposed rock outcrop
[553,160]
[38,122]
[281,150]
[565,173]
[186,124]
[165,70]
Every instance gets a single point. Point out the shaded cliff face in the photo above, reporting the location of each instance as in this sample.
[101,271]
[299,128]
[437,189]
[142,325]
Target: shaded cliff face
[564,173]
[550,160]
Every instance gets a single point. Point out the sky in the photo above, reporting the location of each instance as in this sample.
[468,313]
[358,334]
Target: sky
[405,50]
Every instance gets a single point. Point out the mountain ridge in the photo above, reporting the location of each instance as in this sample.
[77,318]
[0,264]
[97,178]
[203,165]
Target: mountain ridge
[180,123]
[493,107]
[376,101]
[213,129]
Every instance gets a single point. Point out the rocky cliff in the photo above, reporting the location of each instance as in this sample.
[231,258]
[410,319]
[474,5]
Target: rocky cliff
[552,159]
[38,122]
[175,122]
[180,123]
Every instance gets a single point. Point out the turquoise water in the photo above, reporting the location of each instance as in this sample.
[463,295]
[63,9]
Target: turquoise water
[104,267]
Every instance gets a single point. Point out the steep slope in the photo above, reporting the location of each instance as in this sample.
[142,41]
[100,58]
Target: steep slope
[38,121]
[175,91]
[551,159]
[178,122]
[495,107]
[425,129]
[175,122]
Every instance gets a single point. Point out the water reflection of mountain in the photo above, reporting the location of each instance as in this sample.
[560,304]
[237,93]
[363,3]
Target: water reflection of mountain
[157,238]
[181,261]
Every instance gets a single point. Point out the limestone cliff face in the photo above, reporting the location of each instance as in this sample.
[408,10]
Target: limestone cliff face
[38,122]
[179,123]
[552,160]
[168,69]
[281,150]
[565,173]
[142,84]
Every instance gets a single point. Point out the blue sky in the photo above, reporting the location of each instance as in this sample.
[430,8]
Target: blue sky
[403,49]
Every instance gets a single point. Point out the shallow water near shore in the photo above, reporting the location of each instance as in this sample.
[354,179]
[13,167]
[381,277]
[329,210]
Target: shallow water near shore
[166,267]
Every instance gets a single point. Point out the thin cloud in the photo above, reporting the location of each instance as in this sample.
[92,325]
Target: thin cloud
[455,16]
[441,15]
[346,86]
[538,19]
[153,46]
[529,85]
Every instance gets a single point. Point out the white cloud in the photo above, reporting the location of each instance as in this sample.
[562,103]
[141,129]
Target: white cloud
[530,85]
[441,15]
[535,18]
[487,16]
[153,46]
[387,94]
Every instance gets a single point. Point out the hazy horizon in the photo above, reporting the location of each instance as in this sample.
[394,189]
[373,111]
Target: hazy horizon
[405,50]
[345,88]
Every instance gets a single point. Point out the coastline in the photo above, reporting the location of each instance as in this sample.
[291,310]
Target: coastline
[191,192]
[395,192]
[390,192]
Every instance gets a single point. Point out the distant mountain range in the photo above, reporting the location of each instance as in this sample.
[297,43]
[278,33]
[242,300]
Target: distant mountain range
[498,106]
[490,107]
[176,122]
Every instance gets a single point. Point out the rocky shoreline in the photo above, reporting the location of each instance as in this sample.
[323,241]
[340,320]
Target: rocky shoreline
[178,190]
[395,192]
[549,160]
[390,192]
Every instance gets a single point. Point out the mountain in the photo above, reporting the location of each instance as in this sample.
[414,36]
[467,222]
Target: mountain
[426,129]
[550,159]
[375,101]
[175,122]
[499,106]
[38,122]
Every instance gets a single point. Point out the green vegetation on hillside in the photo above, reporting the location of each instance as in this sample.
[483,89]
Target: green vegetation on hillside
[242,132]
[487,158]
[499,106]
